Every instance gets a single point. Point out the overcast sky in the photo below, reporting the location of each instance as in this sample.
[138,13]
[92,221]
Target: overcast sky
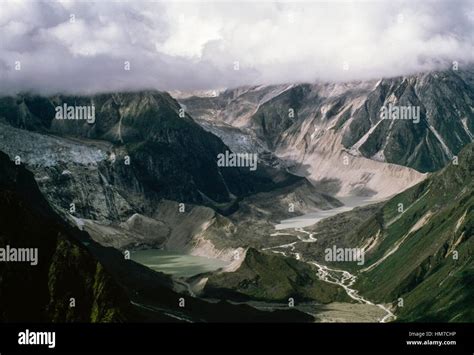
[81,46]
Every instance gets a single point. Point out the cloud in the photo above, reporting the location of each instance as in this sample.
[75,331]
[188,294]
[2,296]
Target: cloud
[77,46]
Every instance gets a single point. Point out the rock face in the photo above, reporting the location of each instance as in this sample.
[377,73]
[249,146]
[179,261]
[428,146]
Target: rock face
[65,268]
[446,101]
[172,156]
[329,130]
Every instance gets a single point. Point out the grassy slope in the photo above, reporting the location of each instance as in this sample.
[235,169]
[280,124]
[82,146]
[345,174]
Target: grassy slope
[273,278]
[423,271]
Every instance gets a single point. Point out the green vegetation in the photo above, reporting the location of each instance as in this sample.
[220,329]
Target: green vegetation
[274,278]
[431,263]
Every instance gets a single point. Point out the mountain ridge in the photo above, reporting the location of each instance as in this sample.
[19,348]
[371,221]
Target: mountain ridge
[321,129]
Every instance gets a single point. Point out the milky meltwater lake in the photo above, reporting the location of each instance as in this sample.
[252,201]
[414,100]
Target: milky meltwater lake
[176,264]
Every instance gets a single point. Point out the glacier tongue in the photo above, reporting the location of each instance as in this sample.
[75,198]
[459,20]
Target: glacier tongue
[54,150]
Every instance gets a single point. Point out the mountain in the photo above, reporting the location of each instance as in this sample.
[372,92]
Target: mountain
[161,199]
[171,156]
[418,253]
[418,246]
[314,141]
[110,290]
[65,269]
[327,131]
[129,207]
[446,101]
[424,255]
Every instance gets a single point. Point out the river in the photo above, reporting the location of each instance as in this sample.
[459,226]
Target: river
[338,277]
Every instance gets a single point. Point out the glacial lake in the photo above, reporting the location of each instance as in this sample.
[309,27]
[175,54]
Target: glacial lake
[176,264]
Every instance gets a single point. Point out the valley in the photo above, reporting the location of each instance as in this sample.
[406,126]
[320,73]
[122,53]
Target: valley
[144,181]
[311,218]
[338,277]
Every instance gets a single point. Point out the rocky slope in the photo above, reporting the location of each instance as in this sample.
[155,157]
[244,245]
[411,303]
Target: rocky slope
[81,169]
[65,268]
[172,157]
[110,290]
[117,211]
[334,135]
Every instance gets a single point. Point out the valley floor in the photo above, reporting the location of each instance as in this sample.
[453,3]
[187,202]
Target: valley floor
[365,310]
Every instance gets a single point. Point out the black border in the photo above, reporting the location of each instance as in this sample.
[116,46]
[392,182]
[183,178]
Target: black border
[240,337]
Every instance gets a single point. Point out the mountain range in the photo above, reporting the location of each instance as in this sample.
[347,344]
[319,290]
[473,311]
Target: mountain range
[324,130]
[144,176]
